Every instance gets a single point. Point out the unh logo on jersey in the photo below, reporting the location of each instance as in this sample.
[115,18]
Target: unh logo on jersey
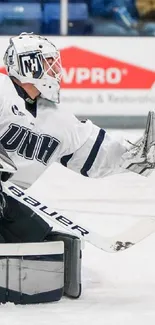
[30,65]
[28,144]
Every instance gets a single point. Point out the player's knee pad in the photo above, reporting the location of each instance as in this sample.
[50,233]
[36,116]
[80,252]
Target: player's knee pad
[31,272]
[21,224]
[73,257]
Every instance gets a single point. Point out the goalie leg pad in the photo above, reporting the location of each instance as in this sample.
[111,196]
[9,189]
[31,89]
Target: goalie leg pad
[31,272]
[73,257]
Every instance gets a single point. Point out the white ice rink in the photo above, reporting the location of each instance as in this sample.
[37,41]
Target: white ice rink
[118,289]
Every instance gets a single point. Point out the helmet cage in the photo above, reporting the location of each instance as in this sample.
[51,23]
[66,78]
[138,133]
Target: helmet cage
[55,67]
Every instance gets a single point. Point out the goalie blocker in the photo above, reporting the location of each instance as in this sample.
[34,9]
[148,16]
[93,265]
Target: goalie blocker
[36,264]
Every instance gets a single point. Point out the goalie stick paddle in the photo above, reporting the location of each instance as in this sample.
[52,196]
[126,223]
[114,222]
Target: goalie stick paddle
[120,242]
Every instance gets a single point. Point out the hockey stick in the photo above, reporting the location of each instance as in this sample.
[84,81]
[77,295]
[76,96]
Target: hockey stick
[126,239]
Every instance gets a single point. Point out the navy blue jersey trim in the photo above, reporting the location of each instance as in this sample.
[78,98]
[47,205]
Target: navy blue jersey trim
[65,159]
[93,153]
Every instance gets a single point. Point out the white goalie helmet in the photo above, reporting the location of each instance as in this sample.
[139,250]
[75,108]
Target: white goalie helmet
[34,59]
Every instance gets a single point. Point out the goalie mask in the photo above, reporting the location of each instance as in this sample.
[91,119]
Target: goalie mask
[34,59]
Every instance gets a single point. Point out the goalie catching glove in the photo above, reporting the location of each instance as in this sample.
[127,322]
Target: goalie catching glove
[140,157]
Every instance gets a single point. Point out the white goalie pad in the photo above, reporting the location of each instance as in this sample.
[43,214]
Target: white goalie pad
[140,157]
[31,272]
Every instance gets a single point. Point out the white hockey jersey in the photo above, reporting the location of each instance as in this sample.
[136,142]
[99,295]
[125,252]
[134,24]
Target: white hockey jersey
[53,136]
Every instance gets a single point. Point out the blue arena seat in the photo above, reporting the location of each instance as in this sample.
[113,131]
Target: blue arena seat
[20,17]
[19,1]
[77,18]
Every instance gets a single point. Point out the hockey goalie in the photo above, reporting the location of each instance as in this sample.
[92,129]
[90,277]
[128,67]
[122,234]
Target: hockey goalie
[34,133]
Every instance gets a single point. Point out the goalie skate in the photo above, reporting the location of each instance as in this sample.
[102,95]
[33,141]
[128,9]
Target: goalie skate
[140,158]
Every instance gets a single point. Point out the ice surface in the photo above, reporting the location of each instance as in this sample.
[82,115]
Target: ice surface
[119,288]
